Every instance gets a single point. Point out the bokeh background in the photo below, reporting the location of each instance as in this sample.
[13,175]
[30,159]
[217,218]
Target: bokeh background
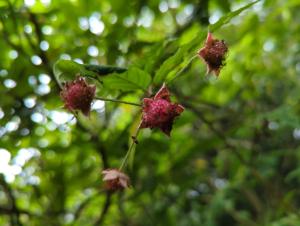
[233,157]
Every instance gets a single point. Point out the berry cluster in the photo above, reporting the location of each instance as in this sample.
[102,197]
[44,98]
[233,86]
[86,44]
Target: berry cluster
[157,112]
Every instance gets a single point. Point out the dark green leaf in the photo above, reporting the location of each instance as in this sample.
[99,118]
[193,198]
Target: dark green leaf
[103,70]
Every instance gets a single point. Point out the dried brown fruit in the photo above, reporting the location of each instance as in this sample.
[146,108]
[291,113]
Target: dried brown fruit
[115,180]
[213,53]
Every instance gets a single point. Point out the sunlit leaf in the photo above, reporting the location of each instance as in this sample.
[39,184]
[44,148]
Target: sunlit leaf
[133,79]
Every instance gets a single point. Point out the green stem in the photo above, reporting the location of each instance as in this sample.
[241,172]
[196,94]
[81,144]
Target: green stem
[118,101]
[125,159]
[182,69]
[134,142]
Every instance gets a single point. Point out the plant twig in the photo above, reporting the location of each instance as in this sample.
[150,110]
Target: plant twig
[118,101]
[84,203]
[134,142]
[15,212]
[105,208]
[40,37]
[216,131]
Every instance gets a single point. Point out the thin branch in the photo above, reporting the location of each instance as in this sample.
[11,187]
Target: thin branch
[105,209]
[211,126]
[4,210]
[15,21]
[100,147]
[231,147]
[123,216]
[82,206]
[134,142]
[118,101]
[200,14]
[15,212]
[40,38]
[6,35]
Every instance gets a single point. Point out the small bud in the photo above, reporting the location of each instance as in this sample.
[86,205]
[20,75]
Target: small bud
[213,53]
[78,95]
[159,112]
[115,180]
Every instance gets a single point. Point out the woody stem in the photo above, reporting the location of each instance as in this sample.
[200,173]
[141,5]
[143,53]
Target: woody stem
[118,101]
[134,142]
[179,73]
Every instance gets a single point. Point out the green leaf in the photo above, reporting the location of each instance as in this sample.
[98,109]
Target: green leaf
[133,79]
[168,66]
[180,59]
[294,174]
[225,19]
[181,68]
[65,70]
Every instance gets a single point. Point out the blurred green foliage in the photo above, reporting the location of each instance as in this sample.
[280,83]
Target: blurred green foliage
[233,155]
